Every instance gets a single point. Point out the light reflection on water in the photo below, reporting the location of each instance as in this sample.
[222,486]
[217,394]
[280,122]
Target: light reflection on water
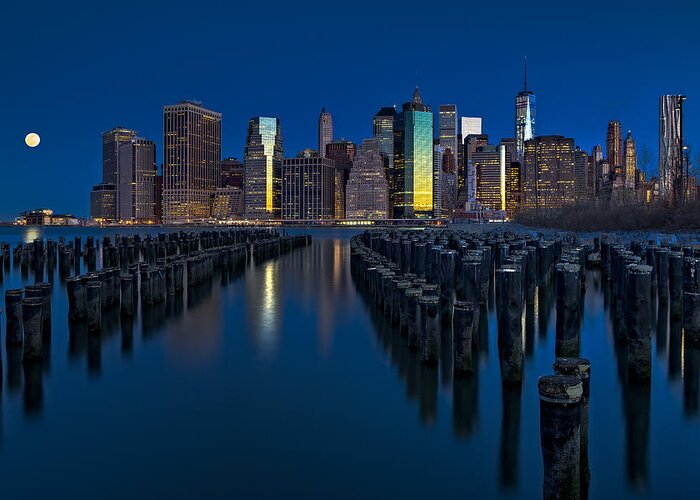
[286,370]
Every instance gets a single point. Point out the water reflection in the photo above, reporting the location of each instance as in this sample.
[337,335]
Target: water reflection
[262,306]
[510,433]
[691,375]
[317,280]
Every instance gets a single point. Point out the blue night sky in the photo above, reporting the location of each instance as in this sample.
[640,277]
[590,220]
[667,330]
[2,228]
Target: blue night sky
[71,70]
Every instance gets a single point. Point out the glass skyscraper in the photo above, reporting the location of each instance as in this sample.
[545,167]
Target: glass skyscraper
[383,126]
[525,112]
[671,147]
[413,161]
[263,169]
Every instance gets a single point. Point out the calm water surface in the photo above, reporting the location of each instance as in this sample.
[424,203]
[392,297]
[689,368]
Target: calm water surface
[285,382]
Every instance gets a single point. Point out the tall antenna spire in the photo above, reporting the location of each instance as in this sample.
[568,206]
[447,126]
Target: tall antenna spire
[525,72]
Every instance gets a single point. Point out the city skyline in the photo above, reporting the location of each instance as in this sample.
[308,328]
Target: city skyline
[91,105]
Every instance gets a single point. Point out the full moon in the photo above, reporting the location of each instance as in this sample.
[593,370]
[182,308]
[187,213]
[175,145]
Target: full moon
[32,140]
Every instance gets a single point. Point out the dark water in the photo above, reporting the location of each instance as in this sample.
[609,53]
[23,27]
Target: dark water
[285,383]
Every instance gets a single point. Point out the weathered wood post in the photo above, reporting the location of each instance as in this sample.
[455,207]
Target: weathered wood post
[568,309]
[465,324]
[560,438]
[581,368]
[638,321]
[32,322]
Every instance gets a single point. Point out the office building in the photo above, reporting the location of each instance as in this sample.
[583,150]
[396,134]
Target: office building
[137,181]
[383,131]
[630,162]
[342,153]
[232,173]
[613,145]
[103,203]
[308,184]
[325,131]
[191,161]
[227,203]
[548,179]
[471,125]
[367,191]
[489,163]
[413,160]
[263,169]
[581,163]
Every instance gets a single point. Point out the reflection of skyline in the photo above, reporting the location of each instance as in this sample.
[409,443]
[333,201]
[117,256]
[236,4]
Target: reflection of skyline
[317,276]
[262,306]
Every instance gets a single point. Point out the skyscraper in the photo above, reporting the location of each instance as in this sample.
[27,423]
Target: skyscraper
[383,131]
[191,161]
[103,203]
[580,175]
[471,125]
[232,173]
[137,181]
[367,193]
[447,139]
[630,162]
[342,153]
[490,163]
[307,188]
[613,146]
[549,172]
[325,131]
[525,112]
[413,160]
[471,144]
[263,169]
[671,148]
[111,142]
[447,128]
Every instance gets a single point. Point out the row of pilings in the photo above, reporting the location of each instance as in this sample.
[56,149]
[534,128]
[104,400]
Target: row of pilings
[431,284]
[149,275]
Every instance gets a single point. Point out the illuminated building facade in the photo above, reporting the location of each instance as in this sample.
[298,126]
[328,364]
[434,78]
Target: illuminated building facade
[548,179]
[630,162]
[263,169]
[307,188]
[342,153]
[137,181]
[103,203]
[192,161]
[227,203]
[581,163]
[325,131]
[525,112]
[514,187]
[368,190]
[613,146]
[490,162]
[671,148]
[413,161]
[383,131]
